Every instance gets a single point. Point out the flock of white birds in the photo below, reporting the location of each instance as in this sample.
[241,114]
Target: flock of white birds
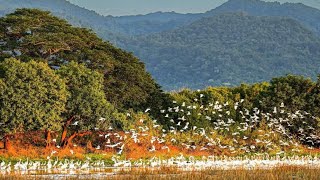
[223,132]
[182,162]
[256,135]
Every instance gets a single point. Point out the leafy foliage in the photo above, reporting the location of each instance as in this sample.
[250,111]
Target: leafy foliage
[224,50]
[34,34]
[32,97]
[292,91]
[313,99]
[87,101]
[289,104]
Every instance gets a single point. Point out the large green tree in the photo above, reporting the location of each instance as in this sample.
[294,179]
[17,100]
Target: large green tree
[291,90]
[250,94]
[87,108]
[35,34]
[296,95]
[32,97]
[313,99]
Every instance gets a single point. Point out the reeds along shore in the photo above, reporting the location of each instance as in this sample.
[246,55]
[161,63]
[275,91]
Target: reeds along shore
[283,172]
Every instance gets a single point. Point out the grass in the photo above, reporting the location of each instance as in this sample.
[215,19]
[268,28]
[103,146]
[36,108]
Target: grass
[285,172]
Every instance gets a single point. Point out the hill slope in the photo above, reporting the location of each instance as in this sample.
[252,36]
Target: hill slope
[108,27]
[114,28]
[229,49]
[111,28]
[304,14]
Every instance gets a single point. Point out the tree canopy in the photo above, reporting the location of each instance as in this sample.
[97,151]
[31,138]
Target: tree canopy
[292,91]
[32,97]
[34,34]
[87,108]
[87,101]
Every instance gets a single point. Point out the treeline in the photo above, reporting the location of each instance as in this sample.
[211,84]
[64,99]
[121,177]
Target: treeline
[296,92]
[292,99]
[55,75]
[57,78]
[72,102]
[34,97]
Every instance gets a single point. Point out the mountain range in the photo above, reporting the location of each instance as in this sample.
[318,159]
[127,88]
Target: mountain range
[230,49]
[241,41]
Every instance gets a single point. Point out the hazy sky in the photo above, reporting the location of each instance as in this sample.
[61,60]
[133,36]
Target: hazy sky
[131,7]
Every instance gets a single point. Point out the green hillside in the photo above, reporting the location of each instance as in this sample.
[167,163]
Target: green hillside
[229,49]
[306,15]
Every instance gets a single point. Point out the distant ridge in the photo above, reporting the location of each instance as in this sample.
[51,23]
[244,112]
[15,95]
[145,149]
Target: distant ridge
[306,15]
[115,28]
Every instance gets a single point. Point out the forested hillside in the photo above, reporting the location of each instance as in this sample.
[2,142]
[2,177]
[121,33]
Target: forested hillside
[229,49]
[108,27]
[111,28]
[306,15]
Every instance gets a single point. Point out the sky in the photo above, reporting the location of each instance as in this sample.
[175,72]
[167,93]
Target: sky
[133,7]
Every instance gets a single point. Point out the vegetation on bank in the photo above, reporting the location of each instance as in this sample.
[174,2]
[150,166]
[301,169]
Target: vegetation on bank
[66,93]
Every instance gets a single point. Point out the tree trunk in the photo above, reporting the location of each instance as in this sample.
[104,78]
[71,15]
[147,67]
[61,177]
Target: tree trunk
[84,133]
[65,131]
[68,141]
[89,146]
[7,143]
[48,138]
[63,136]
